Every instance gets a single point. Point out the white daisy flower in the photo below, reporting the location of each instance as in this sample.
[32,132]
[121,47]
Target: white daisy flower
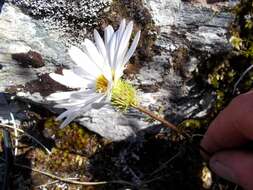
[99,67]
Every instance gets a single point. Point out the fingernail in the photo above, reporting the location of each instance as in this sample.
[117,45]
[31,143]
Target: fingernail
[222,170]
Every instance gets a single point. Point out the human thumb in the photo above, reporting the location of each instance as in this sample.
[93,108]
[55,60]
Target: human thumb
[235,166]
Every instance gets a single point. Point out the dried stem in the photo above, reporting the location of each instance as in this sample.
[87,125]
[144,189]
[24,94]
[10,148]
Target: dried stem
[156,117]
[68,180]
[167,124]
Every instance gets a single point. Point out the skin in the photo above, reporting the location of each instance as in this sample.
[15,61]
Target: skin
[227,139]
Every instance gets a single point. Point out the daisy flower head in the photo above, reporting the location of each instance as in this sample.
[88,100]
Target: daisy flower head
[96,76]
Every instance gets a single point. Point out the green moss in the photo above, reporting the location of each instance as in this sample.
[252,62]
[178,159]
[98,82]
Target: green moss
[222,71]
[73,146]
[73,137]
[191,123]
[243,29]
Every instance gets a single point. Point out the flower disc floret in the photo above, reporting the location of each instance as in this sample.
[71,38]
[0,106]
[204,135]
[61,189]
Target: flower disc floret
[124,95]
[101,84]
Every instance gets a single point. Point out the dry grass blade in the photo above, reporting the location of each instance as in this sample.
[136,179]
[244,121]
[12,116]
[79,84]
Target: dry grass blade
[241,77]
[164,165]
[68,180]
[27,134]
[53,182]
[15,133]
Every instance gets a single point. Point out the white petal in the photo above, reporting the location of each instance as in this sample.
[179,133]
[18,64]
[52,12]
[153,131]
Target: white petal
[59,96]
[98,105]
[112,50]
[123,45]
[82,94]
[120,67]
[70,105]
[102,50]
[108,32]
[100,44]
[79,102]
[66,81]
[100,102]
[125,40]
[73,113]
[69,97]
[132,48]
[97,58]
[121,29]
[67,113]
[82,73]
[83,61]
[83,83]
[69,119]
[120,33]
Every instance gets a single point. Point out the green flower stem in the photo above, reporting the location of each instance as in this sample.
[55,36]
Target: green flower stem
[156,117]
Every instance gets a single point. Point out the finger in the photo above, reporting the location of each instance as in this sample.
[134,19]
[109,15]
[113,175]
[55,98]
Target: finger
[235,166]
[233,127]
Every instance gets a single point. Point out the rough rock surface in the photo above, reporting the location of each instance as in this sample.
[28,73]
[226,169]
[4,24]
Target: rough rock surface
[189,34]
[67,18]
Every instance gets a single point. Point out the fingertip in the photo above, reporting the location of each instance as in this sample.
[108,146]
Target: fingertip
[232,127]
[235,166]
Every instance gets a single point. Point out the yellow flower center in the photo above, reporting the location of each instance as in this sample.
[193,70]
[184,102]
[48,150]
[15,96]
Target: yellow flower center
[101,84]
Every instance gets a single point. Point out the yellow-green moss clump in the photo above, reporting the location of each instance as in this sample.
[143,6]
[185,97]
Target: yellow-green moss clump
[226,74]
[73,146]
[73,138]
[242,33]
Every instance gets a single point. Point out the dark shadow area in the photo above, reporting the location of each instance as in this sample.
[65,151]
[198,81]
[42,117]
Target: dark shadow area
[12,176]
[215,1]
[151,160]
[32,117]
[1,4]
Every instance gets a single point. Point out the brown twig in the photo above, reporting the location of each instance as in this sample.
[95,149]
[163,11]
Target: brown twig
[168,124]
[156,117]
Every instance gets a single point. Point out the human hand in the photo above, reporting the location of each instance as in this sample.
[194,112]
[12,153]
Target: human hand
[226,139]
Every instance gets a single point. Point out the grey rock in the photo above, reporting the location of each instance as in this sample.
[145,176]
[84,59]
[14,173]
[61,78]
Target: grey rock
[164,12]
[165,84]
[111,124]
[19,33]
[201,31]
[68,18]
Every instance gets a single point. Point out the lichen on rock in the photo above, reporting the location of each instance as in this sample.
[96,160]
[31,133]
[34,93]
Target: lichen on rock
[68,18]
